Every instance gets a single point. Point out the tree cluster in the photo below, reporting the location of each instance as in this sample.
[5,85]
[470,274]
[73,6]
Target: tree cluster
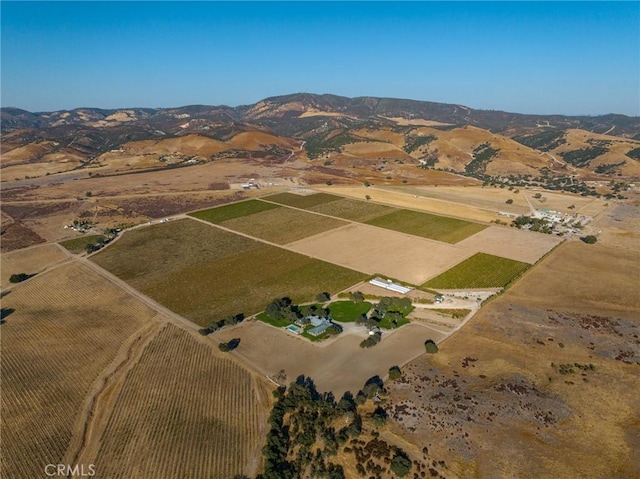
[213,326]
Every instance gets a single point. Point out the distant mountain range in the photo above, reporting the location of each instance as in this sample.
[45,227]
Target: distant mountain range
[484,144]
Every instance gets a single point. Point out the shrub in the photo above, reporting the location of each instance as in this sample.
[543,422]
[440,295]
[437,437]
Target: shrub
[18,278]
[590,239]
[400,464]
[509,201]
[323,297]
[430,346]
[224,347]
[394,373]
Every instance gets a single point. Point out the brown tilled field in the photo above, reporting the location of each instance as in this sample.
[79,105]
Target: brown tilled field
[512,243]
[542,382]
[193,413]
[376,250]
[67,326]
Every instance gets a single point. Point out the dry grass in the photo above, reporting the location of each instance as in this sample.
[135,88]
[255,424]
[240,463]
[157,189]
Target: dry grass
[587,425]
[68,325]
[30,261]
[183,411]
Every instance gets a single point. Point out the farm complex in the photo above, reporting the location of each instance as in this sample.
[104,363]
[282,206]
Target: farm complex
[133,310]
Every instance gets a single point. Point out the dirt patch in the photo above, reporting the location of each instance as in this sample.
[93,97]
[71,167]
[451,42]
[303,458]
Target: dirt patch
[339,366]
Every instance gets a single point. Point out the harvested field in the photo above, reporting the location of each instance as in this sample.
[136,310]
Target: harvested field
[204,273]
[379,251]
[512,243]
[192,413]
[302,201]
[68,325]
[339,366]
[439,228]
[399,198]
[353,210]
[30,261]
[232,211]
[282,225]
[480,271]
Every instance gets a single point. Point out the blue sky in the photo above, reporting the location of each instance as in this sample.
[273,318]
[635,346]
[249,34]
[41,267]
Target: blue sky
[528,57]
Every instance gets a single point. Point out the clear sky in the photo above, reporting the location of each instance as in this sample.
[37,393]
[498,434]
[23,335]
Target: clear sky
[528,57]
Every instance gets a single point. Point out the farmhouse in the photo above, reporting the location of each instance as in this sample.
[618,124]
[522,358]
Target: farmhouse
[388,284]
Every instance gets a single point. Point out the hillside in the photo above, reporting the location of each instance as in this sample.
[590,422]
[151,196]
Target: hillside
[328,138]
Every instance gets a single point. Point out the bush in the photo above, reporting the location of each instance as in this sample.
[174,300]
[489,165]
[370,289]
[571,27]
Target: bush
[400,464]
[394,373]
[224,347]
[509,201]
[430,346]
[18,278]
[323,297]
[590,239]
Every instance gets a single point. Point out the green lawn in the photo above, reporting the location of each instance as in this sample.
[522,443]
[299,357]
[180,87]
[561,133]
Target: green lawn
[77,245]
[385,323]
[480,271]
[280,323]
[348,311]
[439,228]
[300,201]
[235,210]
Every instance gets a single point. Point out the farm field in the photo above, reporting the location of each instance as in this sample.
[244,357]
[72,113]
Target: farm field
[439,228]
[302,201]
[400,198]
[479,271]
[204,273]
[29,261]
[512,243]
[337,366]
[194,413]
[354,210]
[153,252]
[282,225]
[68,325]
[381,251]
[235,210]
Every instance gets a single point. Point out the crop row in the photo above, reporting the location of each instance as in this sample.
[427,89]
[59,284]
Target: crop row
[55,345]
[183,411]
